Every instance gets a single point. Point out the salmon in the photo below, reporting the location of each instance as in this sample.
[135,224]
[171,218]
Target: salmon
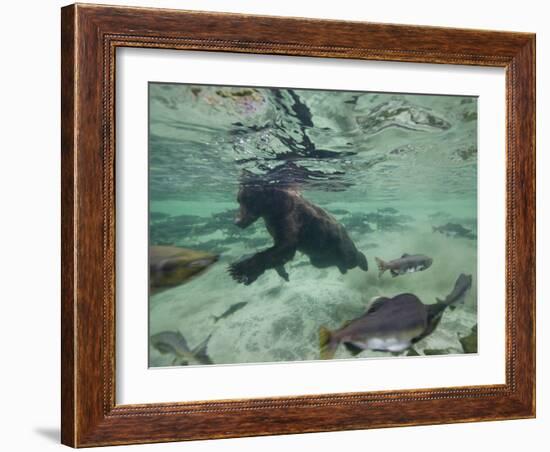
[171,266]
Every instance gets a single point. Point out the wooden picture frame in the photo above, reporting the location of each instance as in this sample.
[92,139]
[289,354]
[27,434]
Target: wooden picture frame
[90,36]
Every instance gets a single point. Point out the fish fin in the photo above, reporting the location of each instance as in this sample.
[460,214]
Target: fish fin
[201,348]
[454,304]
[281,271]
[439,300]
[177,361]
[199,352]
[327,346]
[352,348]
[376,304]
[181,339]
[405,255]
[362,261]
[215,317]
[345,323]
[382,267]
[163,349]
[204,359]
[394,273]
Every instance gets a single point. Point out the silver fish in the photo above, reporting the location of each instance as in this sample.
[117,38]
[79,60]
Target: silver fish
[390,324]
[232,309]
[174,343]
[454,230]
[408,263]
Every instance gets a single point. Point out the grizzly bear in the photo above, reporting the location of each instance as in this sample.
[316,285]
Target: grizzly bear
[295,225]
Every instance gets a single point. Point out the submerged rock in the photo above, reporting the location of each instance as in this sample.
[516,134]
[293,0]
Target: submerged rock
[469,342]
[469,116]
[437,351]
[466,153]
[402,150]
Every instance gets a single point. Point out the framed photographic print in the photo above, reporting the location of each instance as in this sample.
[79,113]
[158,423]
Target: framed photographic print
[280,225]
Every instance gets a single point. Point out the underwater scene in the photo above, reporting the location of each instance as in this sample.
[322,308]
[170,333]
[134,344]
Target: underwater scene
[295,224]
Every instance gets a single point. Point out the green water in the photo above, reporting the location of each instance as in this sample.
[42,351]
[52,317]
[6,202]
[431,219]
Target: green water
[388,167]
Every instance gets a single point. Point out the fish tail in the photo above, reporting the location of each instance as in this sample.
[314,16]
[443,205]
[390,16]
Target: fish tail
[327,344]
[447,302]
[215,317]
[459,300]
[200,352]
[362,261]
[382,266]
[435,229]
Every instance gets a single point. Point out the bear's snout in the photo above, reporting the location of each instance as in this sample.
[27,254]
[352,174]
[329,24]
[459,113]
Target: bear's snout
[244,220]
[238,221]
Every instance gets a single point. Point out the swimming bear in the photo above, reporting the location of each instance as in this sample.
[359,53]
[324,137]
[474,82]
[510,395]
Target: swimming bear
[295,225]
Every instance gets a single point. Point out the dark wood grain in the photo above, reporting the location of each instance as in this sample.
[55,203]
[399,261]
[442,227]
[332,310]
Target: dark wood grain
[68,310]
[90,36]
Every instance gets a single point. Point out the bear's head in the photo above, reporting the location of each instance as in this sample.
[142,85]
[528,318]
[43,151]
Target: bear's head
[256,201]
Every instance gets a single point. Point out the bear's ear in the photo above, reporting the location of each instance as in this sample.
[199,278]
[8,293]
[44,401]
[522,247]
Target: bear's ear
[252,202]
[248,194]
[278,200]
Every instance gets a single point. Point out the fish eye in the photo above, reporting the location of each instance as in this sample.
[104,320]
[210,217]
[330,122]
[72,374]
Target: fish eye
[169,267]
